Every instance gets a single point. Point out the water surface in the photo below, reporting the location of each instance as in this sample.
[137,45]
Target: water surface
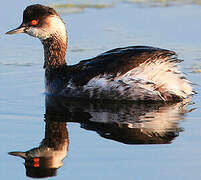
[102,141]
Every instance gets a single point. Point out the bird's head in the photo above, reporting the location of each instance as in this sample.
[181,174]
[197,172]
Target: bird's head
[41,22]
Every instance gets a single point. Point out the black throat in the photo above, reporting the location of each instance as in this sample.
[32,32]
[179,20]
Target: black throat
[54,52]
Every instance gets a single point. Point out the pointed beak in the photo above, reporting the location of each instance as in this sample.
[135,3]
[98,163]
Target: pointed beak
[20,29]
[18,153]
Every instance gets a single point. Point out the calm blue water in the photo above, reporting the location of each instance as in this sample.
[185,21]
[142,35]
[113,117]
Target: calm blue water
[101,138]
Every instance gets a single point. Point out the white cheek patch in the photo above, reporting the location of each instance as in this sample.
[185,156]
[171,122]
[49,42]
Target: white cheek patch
[38,32]
[56,26]
[52,25]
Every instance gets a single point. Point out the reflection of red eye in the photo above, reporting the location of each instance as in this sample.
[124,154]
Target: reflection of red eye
[36,159]
[36,165]
[34,22]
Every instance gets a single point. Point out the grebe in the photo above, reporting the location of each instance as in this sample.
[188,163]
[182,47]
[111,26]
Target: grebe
[128,73]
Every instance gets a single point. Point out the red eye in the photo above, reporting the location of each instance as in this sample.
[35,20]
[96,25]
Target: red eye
[34,22]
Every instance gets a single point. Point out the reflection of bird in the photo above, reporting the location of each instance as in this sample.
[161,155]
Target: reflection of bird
[129,73]
[43,161]
[129,123]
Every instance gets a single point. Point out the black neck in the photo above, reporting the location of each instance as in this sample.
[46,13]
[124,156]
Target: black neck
[54,52]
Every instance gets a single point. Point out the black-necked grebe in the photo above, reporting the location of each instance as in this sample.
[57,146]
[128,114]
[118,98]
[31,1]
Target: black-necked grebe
[129,73]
